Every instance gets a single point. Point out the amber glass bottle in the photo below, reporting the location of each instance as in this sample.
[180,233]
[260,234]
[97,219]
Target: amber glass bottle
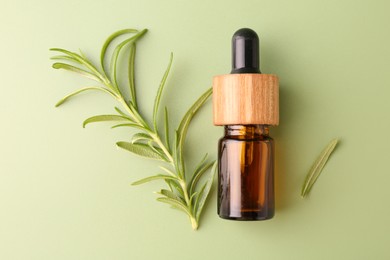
[246,102]
[246,179]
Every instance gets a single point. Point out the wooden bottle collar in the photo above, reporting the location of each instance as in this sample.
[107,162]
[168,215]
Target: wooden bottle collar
[246,99]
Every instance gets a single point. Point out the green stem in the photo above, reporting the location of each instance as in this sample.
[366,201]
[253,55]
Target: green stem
[193,220]
[138,119]
[186,197]
[194,223]
[160,143]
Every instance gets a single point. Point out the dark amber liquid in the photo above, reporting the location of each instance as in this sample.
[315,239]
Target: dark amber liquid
[246,173]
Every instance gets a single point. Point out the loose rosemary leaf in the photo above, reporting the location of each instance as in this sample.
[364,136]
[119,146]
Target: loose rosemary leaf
[317,167]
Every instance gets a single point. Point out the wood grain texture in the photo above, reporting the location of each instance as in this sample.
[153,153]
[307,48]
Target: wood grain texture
[246,99]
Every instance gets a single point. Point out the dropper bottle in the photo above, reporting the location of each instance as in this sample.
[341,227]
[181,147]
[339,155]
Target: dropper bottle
[246,102]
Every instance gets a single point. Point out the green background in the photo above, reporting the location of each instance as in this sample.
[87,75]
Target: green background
[65,191]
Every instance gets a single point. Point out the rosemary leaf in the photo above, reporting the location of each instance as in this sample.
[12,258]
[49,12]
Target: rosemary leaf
[177,204]
[167,170]
[159,92]
[131,76]
[117,109]
[174,186]
[169,194]
[183,127]
[131,125]
[198,175]
[202,197]
[104,118]
[109,41]
[59,65]
[114,62]
[141,137]
[65,57]
[64,99]
[143,150]
[317,167]
[153,178]
[79,59]
[166,128]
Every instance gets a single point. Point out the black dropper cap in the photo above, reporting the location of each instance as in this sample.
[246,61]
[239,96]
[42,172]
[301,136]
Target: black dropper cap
[245,50]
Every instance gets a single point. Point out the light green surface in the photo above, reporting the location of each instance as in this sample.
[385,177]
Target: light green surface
[64,190]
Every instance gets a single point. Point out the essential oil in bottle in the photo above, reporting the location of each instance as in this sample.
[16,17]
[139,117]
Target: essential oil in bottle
[246,103]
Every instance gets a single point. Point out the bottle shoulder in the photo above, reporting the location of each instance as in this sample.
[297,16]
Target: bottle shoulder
[238,138]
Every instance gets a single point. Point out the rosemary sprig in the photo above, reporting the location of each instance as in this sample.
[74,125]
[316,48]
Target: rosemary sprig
[183,192]
[317,167]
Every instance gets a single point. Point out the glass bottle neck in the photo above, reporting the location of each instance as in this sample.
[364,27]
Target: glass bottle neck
[246,131]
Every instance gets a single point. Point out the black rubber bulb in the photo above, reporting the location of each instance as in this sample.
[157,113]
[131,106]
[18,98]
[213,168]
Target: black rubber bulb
[245,50]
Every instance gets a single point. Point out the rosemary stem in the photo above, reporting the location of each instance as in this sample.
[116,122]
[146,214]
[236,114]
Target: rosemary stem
[194,223]
[187,199]
[131,112]
[184,187]
[158,141]
[153,134]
